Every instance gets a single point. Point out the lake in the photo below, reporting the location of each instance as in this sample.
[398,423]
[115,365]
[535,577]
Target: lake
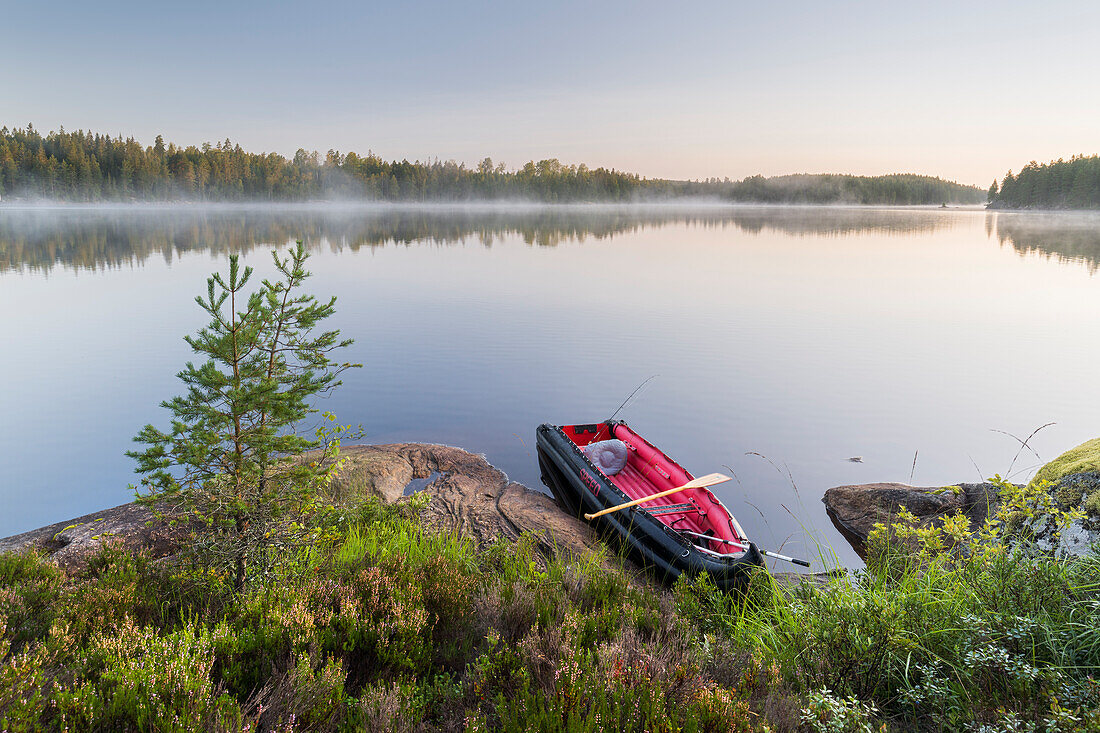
[785,341]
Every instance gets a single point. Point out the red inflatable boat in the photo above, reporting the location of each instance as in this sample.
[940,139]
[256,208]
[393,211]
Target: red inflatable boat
[688,531]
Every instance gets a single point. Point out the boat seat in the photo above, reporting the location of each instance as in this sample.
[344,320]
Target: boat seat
[685,508]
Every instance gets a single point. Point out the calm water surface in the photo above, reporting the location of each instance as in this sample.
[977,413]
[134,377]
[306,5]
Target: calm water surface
[785,340]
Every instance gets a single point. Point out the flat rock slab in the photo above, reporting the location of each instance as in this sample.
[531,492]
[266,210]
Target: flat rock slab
[70,543]
[469,496]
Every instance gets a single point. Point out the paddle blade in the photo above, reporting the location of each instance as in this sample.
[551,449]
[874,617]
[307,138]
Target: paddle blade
[709,480]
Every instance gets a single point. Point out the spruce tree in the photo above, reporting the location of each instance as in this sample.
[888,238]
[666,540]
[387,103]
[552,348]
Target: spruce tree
[230,464]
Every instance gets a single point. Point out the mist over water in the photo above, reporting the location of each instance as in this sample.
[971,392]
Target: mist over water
[809,335]
[93,237]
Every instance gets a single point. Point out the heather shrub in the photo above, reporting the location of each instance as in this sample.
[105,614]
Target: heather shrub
[626,684]
[512,609]
[113,590]
[382,628]
[521,590]
[715,709]
[308,696]
[500,672]
[585,697]
[118,583]
[263,634]
[22,679]
[388,708]
[135,678]
[29,586]
[384,625]
[448,593]
[20,567]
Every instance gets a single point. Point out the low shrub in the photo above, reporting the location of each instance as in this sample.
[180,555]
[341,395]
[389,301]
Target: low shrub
[29,589]
[827,713]
[308,696]
[137,679]
[384,625]
[23,688]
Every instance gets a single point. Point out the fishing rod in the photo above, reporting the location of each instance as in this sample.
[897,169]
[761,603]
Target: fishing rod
[765,553]
[646,381]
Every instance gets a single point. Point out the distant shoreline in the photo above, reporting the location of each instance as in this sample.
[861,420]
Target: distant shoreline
[489,205]
[83,166]
[1040,210]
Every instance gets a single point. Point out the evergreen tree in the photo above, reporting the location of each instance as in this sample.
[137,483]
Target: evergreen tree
[1073,183]
[230,462]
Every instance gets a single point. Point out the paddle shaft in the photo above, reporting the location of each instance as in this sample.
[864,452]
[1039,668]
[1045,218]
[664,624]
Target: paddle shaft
[777,556]
[708,480]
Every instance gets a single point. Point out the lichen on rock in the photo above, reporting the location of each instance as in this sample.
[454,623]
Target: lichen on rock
[1073,482]
[1076,493]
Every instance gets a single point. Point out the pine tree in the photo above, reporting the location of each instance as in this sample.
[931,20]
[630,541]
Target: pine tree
[230,462]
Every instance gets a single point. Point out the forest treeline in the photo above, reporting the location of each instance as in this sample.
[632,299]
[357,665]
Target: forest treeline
[1060,184]
[86,166]
[897,189]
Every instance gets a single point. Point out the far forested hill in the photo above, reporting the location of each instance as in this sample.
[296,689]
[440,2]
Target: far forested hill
[831,188]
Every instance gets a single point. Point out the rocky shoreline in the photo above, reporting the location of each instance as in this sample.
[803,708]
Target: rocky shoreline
[469,495]
[466,494]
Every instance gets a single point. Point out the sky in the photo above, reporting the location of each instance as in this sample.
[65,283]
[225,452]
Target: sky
[962,90]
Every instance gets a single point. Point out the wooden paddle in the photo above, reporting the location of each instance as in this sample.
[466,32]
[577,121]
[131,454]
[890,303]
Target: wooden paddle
[709,480]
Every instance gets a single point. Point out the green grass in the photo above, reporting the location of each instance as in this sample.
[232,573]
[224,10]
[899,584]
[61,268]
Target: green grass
[384,625]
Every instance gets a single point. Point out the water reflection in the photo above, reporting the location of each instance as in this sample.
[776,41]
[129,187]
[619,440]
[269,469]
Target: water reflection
[807,335]
[1068,237]
[40,239]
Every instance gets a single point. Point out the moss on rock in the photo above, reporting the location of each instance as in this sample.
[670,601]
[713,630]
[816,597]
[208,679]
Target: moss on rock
[1085,458]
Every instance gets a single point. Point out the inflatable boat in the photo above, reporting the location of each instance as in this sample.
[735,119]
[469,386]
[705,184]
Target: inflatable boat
[689,531]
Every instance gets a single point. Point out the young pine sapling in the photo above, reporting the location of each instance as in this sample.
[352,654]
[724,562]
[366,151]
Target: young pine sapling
[231,463]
